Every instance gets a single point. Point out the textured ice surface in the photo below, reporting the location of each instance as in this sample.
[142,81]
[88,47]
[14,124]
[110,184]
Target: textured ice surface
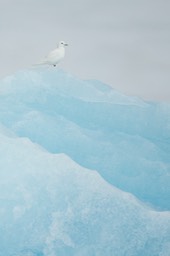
[55,131]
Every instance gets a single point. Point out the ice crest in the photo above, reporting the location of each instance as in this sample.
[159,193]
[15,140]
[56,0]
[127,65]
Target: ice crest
[84,169]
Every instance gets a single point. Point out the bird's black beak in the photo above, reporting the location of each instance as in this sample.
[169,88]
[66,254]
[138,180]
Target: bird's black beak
[66,44]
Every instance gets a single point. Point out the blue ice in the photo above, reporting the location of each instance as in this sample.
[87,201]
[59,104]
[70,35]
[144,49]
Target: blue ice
[84,169]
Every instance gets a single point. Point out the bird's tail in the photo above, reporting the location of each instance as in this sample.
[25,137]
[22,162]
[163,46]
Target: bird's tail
[40,63]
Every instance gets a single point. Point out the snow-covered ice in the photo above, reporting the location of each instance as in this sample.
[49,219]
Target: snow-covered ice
[84,169]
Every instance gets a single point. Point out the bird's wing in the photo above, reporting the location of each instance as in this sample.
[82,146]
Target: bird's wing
[53,54]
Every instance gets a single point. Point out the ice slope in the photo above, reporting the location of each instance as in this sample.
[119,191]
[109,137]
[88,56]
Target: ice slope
[51,206]
[70,151]
[124,138]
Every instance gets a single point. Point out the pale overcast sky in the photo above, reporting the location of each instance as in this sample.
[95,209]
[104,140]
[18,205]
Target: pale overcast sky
[125,43]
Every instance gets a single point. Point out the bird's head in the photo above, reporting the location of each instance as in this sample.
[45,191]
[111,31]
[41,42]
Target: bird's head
[62,43]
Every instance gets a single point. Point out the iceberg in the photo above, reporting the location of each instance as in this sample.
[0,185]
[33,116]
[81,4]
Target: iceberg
[84,169]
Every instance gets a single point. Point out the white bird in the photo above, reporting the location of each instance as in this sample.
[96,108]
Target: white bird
[55,56]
